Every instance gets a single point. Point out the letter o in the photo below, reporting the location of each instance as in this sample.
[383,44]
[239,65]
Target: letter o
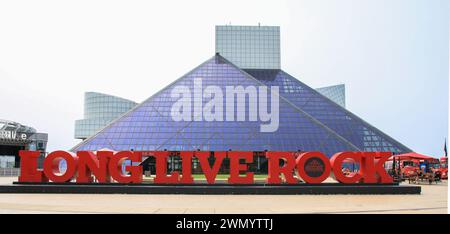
[314,163]
[51,166]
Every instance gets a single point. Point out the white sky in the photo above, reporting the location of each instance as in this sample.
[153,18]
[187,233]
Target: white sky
[393,56]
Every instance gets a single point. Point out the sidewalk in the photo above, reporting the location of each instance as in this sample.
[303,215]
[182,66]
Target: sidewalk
[432,200]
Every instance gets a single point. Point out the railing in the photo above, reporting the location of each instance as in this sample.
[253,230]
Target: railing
[9,171]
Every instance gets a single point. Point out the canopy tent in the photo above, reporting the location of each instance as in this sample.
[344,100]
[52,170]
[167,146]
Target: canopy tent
[411,156]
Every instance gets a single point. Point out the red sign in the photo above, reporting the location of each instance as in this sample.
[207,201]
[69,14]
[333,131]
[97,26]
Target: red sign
[106,167]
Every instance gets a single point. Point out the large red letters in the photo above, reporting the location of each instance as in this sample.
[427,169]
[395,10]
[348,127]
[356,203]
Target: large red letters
[210,173]
[29,165]
[89,165]
[315,162]
[371,167]
[161,171]
[106,166]
[115,167]
[236,167]
[275,170]
[336,163]
[52,162]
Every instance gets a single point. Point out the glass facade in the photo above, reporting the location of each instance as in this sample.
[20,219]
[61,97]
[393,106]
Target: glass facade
[252,47]
[7,161]
[342,123]
[336,93]
[15,137]
[99,110]
[308,121]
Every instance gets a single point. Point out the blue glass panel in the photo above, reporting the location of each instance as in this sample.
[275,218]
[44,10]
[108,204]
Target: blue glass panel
[308,120]
[344,123]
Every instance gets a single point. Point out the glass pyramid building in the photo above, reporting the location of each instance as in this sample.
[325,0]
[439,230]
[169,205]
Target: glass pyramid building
[308,121]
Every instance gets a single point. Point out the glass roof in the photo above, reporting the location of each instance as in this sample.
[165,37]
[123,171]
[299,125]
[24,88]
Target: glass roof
[307,120]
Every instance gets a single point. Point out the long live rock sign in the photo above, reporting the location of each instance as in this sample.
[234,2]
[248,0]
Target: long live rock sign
[106,167]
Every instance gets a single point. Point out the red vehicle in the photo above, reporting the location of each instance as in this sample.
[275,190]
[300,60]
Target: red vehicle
[409,168]
[404,168]
[443,167]
[411,164]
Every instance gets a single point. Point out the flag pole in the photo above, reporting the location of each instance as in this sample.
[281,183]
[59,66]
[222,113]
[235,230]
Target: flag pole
[445,147]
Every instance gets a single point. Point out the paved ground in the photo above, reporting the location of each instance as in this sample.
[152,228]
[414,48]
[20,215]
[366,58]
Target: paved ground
[432,200]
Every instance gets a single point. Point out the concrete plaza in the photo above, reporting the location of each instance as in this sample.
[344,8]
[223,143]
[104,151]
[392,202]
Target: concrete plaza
[432,200]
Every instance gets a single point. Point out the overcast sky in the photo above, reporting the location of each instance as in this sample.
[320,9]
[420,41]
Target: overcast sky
[392,55]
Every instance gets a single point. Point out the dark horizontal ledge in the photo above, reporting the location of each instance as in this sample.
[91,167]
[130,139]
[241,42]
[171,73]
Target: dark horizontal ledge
[199,183]
[208,189]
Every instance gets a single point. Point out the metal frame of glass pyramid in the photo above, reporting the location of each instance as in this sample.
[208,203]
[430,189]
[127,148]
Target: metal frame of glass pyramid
[308,121]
